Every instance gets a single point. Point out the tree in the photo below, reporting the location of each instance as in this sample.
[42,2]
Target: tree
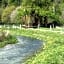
[38,8]
[6,14]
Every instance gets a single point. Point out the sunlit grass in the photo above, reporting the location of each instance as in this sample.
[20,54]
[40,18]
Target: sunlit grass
[52,51]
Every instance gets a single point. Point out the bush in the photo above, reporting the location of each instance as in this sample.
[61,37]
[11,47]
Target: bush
[6,14]
[16,15]
[6,38]
[1,9]
[2,36]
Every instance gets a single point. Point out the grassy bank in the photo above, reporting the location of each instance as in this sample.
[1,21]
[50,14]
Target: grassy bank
[53,50]
[6,39]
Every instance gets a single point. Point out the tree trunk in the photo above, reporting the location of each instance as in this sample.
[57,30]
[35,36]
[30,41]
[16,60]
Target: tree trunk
[45,21]
[38,23]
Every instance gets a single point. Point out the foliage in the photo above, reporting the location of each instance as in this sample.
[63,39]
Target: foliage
[16,15]
[53,50]
[49,8]
[20,15]
[6,14]
[6,3]
[1,9]
[6,39]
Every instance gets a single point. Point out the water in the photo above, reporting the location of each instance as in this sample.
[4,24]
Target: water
[16,53]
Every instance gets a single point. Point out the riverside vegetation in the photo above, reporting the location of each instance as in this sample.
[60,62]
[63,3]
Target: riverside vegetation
[6,38]
[35,13]
[52,51]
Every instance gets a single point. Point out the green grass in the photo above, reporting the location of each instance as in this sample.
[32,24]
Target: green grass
[52,51]
[12,40]
[5,40]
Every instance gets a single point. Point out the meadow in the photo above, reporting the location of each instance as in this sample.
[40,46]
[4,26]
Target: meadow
[52,50]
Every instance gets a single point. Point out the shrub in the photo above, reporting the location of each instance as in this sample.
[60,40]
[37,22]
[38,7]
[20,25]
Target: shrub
[19,15]
[16,15]
[1,9]
[6,38]
[6,14]
[2,36]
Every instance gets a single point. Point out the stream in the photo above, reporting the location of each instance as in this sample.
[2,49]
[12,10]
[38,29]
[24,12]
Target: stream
[16,53]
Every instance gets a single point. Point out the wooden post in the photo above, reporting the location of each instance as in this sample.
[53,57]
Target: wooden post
[50,27]
[4,26]
[53,26]
[20,26]
[38,24]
